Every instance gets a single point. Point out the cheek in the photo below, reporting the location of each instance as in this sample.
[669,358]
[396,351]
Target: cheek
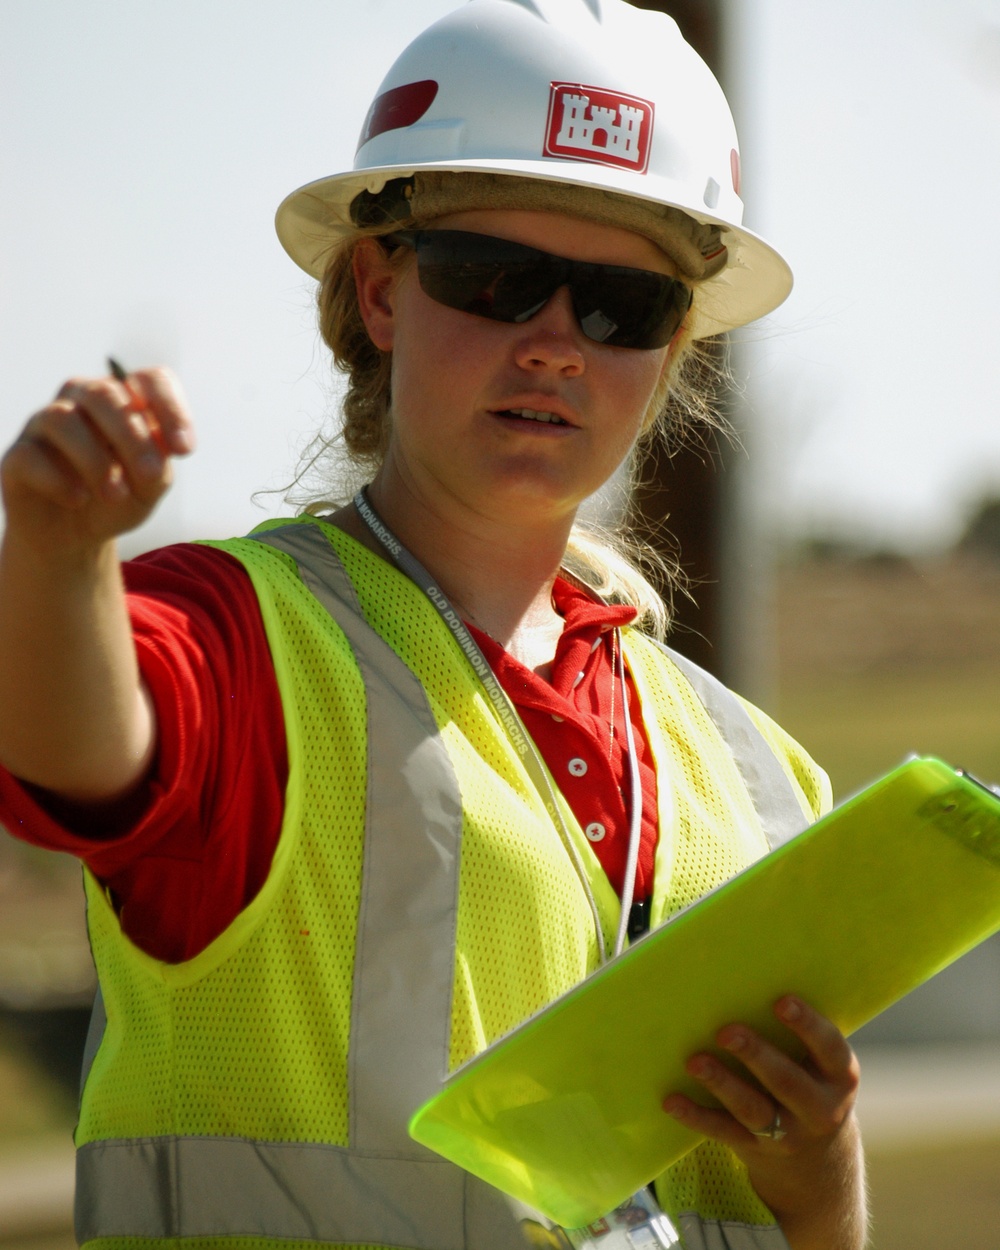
[635,386]
[431,341]
[435,370]
[656,368]
[417,352]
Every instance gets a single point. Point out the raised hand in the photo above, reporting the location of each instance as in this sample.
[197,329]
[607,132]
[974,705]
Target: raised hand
[75,717]
[93,463]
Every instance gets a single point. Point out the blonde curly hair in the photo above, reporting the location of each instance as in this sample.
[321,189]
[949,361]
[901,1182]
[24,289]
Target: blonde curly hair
[604,559]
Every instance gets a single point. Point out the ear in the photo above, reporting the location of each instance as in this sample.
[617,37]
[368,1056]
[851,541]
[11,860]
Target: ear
[375,282]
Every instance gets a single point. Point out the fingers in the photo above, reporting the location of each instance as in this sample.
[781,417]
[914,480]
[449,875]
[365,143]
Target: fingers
[820,1090]
[813,1097]
[828,1049]
[165,407]
[36,466]
[141,423]
[101,450]
[745,1111]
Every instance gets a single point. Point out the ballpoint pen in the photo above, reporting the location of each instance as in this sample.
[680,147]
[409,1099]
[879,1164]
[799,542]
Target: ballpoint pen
[119,371]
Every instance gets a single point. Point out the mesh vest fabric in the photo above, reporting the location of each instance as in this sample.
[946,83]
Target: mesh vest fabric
[250,1038]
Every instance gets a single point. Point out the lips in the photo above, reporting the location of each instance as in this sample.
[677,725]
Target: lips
[537,408]
[532,414]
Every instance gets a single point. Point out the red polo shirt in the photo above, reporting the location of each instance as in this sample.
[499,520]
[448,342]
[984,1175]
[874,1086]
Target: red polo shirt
[186,854]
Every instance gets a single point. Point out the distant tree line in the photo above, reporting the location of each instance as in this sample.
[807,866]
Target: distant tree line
[981,535]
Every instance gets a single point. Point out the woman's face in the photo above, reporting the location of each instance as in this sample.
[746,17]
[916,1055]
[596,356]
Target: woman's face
[467,392]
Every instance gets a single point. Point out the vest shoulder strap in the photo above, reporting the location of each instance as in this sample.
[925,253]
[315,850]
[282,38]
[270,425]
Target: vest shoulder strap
[777,805]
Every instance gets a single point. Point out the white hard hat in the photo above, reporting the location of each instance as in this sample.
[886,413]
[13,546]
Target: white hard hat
[589,94]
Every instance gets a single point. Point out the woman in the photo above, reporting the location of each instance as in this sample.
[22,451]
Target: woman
[325,861]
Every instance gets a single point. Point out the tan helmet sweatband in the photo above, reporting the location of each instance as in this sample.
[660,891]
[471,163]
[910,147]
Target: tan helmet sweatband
[696,249]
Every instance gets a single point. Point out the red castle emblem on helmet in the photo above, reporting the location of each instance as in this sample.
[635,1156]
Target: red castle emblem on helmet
[592,124]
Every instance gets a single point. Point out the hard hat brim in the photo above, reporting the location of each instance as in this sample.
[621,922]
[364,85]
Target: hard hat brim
[756,279]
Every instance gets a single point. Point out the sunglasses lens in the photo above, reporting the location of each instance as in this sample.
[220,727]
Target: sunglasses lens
[484,276]
[505,281]
[629,307]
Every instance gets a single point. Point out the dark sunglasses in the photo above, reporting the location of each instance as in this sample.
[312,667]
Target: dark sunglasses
[506,281]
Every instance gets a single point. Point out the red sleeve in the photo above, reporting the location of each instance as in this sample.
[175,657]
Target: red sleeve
[194,847]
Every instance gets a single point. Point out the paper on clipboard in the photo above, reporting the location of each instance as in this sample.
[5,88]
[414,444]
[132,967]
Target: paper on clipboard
[866,904]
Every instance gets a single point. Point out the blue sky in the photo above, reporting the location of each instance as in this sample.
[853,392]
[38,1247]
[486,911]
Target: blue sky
[145,146]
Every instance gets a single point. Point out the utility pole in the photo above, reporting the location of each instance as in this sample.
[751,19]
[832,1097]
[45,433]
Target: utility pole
[691,495]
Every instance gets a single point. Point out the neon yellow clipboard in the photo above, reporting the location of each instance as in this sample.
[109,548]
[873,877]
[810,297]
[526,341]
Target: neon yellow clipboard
[564,1112]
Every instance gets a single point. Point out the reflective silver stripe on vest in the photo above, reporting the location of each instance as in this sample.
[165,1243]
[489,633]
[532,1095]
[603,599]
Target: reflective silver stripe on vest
[384,1189]
[95,1032]
[699,1234]
[773,797]
[190,1187]
[227,1187]
[404,967]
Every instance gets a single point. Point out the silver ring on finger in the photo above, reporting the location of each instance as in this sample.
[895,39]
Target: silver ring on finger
[774,1131]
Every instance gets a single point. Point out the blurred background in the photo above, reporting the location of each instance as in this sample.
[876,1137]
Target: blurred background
[846,545]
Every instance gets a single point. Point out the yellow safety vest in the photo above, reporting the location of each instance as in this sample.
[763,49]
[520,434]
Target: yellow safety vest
[419,905]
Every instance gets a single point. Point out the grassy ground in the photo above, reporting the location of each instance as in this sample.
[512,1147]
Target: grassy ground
[37,1114]
[945,1199]
[879,659]
[45,977]
[861,724]
[32,1105]
[45,1241]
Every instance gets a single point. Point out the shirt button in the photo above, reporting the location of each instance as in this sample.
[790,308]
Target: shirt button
[577,766]
[595,831]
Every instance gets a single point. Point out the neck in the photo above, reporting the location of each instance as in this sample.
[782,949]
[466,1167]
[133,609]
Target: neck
[498,576]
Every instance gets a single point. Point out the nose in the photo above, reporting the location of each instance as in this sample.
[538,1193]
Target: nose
[551,338]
